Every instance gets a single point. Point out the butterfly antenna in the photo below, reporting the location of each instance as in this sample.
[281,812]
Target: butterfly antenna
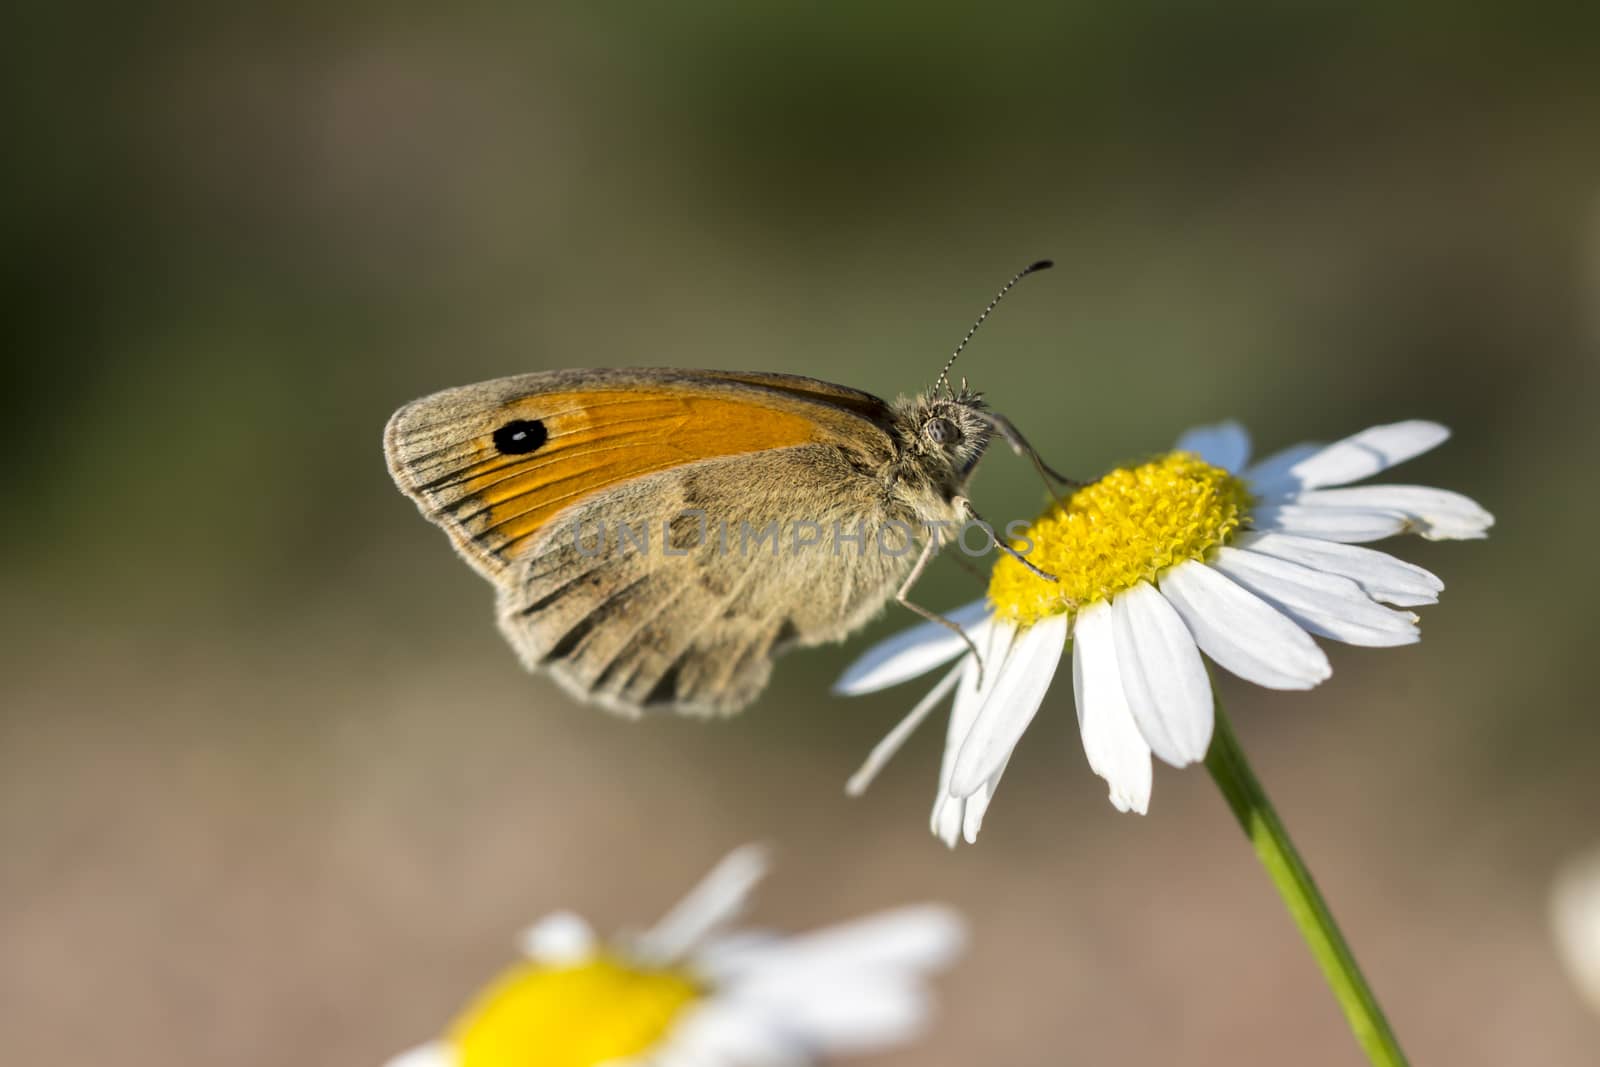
[944,375]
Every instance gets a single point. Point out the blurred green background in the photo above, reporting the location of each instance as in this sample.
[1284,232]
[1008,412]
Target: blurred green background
[272,790]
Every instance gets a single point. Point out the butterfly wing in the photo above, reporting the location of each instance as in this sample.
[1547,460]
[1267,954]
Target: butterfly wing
[525,473]
[599,429]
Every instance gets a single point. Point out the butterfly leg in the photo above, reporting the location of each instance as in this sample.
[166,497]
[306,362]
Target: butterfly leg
[902,597]
[1021,447]
[965,507]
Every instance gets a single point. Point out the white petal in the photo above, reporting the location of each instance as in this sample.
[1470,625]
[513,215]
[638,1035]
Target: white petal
[561,937]
[722,1033]
[910,652]
[1437,514]
[1575,920]
[1271,476]
[433,1054]
[909,940]
[948,815]
[1324,604]
[1242,632]
[850,1014]
[1162,675]
[726,955]
[845,988]
[952,815]
[1366,453]
[1117,751]
[1345,525]
[1379,574]
[719,899]
[884,750]
[977,805]
[949,812]
[1014,700]
[1224,444]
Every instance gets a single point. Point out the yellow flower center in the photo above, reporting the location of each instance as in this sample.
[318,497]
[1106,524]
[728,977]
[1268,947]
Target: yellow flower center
[576,1015]
[1129,526]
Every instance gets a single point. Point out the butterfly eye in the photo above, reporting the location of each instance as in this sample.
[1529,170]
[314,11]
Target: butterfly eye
[520,437]
[940,431]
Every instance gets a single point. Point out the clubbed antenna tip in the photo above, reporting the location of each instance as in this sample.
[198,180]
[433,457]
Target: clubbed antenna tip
[944,375]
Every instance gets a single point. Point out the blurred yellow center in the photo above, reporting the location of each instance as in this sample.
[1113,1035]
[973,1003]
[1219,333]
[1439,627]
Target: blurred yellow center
[1128,527]
[579,1015]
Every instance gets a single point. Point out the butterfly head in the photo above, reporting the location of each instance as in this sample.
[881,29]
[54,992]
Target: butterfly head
[947,431]
[950,429]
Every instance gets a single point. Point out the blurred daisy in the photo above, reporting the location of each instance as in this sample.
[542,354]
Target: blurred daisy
[1575,920]
[1195,551]
[690,993]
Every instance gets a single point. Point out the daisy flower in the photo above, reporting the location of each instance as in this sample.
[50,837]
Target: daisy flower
[1195,552]
[689,992]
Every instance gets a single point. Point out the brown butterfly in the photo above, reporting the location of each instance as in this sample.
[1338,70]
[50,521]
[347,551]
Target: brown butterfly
[656,536]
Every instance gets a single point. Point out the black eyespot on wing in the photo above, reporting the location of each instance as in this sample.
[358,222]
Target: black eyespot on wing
[520,437]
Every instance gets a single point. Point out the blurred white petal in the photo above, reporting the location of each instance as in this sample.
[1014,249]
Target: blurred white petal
[1575,922]
[722,1033]
[433,1054]
[910,939]
[719,899]
[560,937]
[850,1014]
[724,956]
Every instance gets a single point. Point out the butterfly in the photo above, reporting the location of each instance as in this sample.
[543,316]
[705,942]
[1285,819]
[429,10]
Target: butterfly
[657,536]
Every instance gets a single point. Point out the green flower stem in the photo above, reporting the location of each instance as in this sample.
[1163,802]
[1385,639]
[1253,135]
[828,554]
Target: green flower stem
[1232,773]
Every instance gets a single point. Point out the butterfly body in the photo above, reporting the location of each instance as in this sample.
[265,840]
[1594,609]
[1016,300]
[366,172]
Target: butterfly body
[650,531]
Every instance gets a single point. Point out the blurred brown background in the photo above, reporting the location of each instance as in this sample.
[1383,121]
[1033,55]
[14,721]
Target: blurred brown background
[272,790]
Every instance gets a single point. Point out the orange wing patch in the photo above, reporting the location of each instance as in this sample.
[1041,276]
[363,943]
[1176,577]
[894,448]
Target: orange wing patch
[493,504]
